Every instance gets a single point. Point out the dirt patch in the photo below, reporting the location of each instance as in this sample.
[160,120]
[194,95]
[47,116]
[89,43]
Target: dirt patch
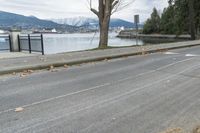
[197,130]
[173,130]
[180,130]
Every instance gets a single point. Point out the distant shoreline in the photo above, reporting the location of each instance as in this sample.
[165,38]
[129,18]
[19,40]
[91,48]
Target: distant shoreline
[131,34]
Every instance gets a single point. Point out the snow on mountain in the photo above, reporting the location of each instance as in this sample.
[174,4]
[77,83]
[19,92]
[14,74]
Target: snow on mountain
[92,22]
[78,21]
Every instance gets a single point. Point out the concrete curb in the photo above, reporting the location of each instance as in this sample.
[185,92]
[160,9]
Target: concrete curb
[80,61]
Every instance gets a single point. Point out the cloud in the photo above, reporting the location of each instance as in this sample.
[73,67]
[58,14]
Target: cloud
[72,8]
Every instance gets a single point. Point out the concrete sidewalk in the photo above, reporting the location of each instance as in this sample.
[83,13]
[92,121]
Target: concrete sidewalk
[6,55]
[11,65]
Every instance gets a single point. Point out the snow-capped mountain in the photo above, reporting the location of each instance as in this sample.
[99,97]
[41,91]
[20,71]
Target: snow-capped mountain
[93,22]
[78,21]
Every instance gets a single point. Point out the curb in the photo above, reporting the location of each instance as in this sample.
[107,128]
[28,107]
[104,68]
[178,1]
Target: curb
[81,61]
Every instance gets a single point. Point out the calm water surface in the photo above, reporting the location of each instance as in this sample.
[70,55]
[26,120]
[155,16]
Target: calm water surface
[58,43]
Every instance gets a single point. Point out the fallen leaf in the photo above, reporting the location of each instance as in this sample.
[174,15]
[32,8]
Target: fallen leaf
[43,59]
[30,71]
[65,66]
[53,70]
[105,59]
[23,75]
[19,109]
[51,67]
[14,73]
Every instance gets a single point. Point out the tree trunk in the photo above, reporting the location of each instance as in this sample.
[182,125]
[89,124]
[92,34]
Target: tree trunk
[191,17]
[104,13]
[104,29]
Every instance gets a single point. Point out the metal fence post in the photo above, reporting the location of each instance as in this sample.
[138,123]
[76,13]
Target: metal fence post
[9,38]
[19,43]
[29,42]
[42,44]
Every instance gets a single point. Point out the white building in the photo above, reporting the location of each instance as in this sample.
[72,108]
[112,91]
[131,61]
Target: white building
[1,31]
[122,28]
[53,30]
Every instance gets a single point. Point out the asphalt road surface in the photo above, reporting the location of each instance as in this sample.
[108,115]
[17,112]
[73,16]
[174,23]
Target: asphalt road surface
[140,94]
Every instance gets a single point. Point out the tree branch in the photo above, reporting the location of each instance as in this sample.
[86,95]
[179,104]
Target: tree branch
[114,4]
[95,11]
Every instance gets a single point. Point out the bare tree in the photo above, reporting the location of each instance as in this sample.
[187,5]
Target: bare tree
[104,11]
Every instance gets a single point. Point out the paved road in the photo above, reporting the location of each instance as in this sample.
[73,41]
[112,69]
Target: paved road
[141,94]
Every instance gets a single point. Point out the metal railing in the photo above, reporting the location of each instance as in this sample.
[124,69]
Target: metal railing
[31,43]
[5,42]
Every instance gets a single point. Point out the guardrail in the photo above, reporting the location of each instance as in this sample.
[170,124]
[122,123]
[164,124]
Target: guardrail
[5,42]
[31,43]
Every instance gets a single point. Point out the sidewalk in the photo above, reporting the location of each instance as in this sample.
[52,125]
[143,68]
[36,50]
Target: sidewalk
[6,55]
[35,62]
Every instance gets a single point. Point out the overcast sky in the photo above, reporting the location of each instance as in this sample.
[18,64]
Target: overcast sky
[46,9]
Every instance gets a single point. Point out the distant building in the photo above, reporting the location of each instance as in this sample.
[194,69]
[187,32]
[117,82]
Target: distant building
[122,28]
[2,31]
[26,32]
[46,31]
[54,30]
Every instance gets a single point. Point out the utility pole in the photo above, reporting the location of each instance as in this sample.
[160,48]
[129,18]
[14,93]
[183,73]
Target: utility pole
[136,21]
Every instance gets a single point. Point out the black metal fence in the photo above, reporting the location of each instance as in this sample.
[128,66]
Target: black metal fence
[5,42]
[31,43]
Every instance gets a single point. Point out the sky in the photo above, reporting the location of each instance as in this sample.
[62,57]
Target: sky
[47,9]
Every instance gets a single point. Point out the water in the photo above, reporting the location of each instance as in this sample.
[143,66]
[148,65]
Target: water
[58,43]
[4,43]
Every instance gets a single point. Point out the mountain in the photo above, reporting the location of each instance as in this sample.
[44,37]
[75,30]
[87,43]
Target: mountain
[120,23]
[92,22]
[78,21]
[9,20]
[79,24]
